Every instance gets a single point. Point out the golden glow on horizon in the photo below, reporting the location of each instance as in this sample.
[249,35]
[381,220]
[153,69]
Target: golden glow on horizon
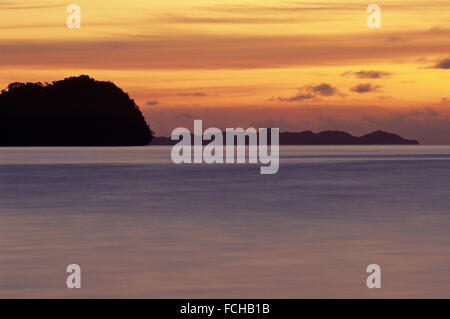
[246,53]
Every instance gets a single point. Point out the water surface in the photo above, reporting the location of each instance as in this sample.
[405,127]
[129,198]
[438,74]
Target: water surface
[140,226]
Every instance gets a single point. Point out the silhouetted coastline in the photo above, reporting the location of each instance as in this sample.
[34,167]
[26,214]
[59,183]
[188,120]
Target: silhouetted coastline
[76,111]
[322,138]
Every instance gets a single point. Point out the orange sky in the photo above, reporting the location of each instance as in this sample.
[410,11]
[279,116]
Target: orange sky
[293,64]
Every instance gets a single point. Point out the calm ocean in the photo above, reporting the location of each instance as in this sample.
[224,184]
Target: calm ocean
[140,226]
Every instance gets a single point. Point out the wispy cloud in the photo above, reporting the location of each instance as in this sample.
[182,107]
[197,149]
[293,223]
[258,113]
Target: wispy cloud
[310,92]
[365,88]
[368,74]
[219,51]
[427,111]
[193,94]
[8,5]
[311,6]
[226,20]
[444,64]
[151,103]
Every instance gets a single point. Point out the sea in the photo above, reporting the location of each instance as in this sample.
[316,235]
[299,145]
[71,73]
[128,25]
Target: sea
[140,226]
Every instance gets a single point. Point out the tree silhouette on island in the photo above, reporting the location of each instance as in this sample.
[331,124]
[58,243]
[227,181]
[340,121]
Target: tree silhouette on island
[76,111]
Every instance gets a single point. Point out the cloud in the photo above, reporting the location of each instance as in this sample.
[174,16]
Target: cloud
[227,20]
[365,88]
[323,89]
[9,5]
[368,74]
[427,111]
[307,7]
[281,124]
[255,14]
[444,64]
[225,51]
[196,94]
[309,92]
[298,97]
[150,103]
[186,115]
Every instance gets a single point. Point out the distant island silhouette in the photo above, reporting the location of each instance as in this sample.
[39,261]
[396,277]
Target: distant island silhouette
[322,138]
[76,111]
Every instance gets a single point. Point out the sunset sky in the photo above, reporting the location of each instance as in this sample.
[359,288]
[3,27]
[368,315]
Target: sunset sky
[296,65]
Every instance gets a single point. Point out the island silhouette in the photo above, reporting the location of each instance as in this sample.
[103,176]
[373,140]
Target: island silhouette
[76,111]
[322,138]
[81,111]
